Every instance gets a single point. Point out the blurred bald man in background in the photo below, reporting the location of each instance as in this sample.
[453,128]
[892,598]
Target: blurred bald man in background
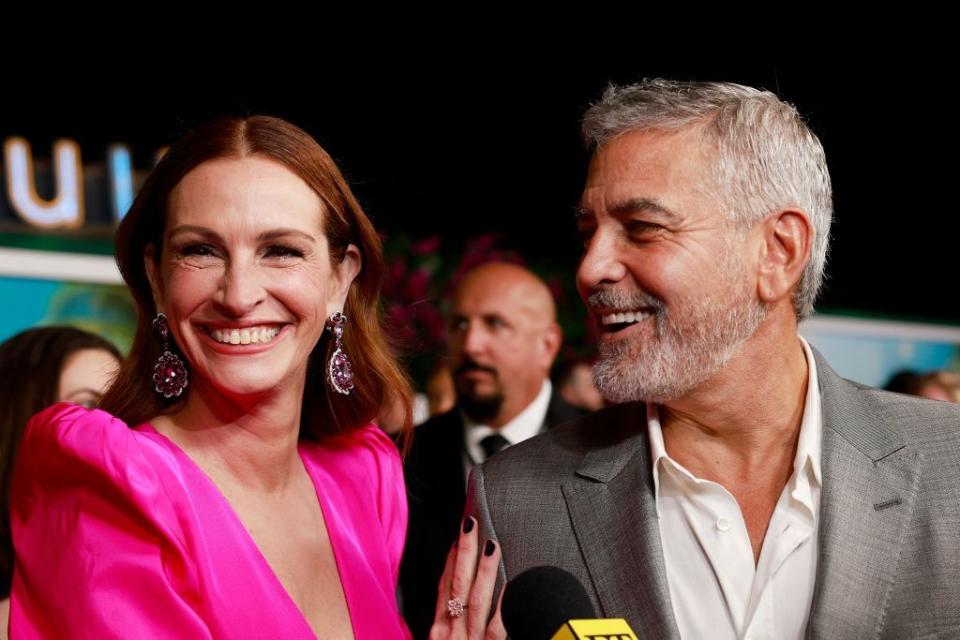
[503,339]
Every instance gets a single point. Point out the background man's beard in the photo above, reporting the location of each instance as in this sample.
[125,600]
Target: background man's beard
[682,356]
[480,408]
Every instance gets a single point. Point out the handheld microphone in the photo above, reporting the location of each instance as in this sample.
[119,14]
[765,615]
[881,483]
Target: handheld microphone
[548,603]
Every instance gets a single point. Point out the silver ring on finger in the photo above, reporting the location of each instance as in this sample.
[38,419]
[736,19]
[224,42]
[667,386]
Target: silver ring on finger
[455,607]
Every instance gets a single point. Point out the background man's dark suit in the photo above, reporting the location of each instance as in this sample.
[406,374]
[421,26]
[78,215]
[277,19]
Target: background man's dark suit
[436,485]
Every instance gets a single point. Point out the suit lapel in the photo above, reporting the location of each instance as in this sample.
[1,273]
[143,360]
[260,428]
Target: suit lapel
[870,480]
[612,508]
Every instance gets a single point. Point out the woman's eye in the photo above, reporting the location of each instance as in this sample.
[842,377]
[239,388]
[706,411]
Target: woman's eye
[200,250]
[282,251]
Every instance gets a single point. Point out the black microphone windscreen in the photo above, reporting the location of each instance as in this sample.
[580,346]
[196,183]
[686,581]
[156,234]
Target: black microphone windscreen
[540,600]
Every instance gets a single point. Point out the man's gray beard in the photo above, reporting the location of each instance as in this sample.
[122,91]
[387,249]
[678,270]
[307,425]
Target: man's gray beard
[682,357]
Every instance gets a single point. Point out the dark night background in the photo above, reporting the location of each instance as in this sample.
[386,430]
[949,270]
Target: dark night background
[460,150]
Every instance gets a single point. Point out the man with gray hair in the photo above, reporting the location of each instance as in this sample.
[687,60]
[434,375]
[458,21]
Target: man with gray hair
[740,488]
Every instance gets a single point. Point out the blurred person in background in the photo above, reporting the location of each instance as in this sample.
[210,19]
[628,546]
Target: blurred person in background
[502,340]
[39,367]
[576,386]
[940,385]
[936,385]
[440,392]
[903,381]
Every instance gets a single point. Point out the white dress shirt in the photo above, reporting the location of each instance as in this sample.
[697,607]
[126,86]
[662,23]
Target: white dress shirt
[716,589]
[526,424]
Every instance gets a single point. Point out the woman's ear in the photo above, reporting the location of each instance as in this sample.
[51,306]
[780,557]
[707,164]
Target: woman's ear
[345,272]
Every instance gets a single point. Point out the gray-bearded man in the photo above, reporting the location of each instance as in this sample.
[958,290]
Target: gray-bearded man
[741,489]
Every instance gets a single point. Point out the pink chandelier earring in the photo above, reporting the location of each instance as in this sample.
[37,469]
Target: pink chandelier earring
[339,369]
[169,374]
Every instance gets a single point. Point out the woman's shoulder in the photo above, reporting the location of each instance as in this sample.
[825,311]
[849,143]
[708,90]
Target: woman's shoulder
[77,431]
[71,426]
[67,443]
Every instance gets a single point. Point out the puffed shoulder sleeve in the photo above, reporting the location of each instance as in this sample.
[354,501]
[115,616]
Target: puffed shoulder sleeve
[99,552]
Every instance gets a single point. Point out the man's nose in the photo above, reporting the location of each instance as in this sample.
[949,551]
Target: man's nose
[602,263]
[474,339]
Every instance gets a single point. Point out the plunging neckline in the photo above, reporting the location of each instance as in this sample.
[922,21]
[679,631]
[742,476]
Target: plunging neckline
[335,543]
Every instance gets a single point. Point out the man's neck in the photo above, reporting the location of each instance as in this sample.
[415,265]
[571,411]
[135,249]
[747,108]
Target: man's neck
[741,428]
[743,422]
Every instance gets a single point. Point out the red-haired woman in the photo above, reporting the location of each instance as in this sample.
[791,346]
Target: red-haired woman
[231,484]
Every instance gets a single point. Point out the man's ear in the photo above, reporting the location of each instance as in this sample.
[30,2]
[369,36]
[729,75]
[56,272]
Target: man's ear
[787,238]
[552,339]
[151,265]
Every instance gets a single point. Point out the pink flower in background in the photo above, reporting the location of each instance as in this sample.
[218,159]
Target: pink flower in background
[396,271]
[416,288]
[427,246]
[434,325]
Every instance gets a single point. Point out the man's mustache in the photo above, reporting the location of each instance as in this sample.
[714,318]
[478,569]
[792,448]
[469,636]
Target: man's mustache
[472,365]
[625,300]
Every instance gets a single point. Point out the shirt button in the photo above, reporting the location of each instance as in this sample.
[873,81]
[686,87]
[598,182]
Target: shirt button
[723,524]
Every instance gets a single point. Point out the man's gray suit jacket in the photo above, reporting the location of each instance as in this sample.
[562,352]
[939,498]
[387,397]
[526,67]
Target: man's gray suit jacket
[581,497]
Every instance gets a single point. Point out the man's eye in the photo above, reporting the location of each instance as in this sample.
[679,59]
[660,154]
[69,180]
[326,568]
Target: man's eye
[637,227]
[496,323]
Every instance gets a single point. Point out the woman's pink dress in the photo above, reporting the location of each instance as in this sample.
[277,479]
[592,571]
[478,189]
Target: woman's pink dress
[119,534]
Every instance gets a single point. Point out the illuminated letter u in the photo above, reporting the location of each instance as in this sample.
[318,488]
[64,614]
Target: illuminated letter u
[66,208]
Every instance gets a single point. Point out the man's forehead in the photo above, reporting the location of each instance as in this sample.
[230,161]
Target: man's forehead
[504,292]
[638,169]
[489,298]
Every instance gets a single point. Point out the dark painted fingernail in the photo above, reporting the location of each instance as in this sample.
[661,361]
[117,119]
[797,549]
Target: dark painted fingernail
[489,548]
[468,525]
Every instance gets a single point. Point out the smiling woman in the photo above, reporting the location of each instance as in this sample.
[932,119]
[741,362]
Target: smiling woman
[250,495]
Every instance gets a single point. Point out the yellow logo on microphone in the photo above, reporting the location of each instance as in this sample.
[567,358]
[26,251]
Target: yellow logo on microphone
[606,629]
